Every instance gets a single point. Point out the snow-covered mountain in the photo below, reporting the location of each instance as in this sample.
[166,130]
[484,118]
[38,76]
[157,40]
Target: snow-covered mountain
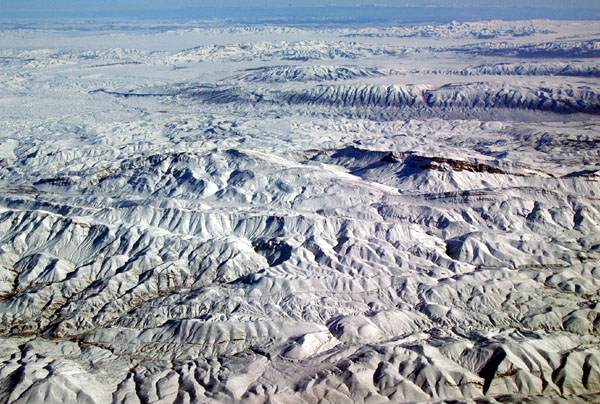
[273,214]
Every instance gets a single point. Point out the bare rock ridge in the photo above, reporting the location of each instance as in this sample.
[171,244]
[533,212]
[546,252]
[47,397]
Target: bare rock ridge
[213,213]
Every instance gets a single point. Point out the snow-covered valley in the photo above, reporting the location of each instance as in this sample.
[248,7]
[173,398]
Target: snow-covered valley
[216,214]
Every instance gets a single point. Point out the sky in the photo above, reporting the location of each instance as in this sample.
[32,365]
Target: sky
[99,5]
[128,8]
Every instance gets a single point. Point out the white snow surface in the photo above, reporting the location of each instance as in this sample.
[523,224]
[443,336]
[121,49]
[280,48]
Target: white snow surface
[223,214]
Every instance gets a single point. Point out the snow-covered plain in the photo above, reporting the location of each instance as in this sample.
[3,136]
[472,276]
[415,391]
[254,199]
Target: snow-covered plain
[215,214]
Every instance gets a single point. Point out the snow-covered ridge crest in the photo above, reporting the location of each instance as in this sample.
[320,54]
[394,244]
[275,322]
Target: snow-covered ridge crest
[284,74]
[478,30]
[456,97]
[581,69]
[285,50]
[559,49]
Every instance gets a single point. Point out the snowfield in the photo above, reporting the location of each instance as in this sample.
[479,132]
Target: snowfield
[218,214]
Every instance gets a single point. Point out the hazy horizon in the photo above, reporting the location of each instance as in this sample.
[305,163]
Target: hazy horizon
[304,11]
